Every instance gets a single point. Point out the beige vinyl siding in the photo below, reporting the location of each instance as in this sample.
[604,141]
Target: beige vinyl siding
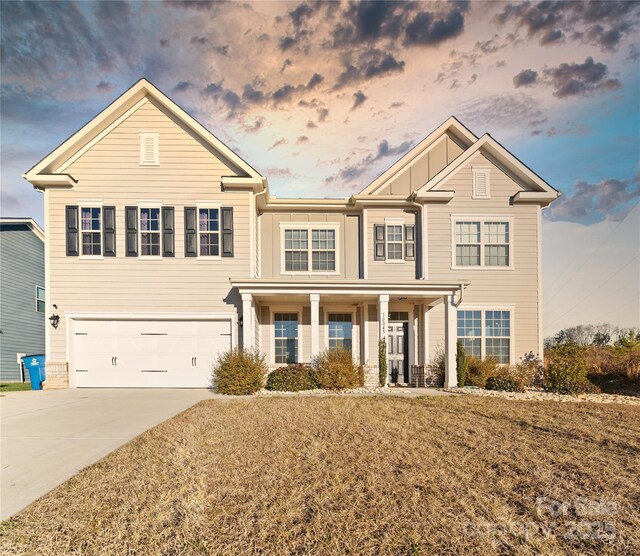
[423,168]
[109,172]
[383,270]
[347,244]
[517,287]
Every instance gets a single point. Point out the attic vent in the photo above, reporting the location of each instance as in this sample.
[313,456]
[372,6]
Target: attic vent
[481,183]
[149,149]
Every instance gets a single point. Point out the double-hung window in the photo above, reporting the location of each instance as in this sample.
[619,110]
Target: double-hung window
[150,232]
[286,337]
[209,232]
[340,331]
[394,242]
[40,303]
[91,230]
[309,249]
[482,243]
[485,333]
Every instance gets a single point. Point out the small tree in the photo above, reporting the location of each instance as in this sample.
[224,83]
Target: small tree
[382,362]
[461,364]
[601,339]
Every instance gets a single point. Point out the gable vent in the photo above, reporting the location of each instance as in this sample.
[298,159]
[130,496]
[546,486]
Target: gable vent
[149,149]
[481,183]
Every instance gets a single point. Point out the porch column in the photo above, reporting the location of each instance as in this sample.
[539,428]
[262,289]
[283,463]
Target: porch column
[425,334]
[314,298]
[383,315]
[450,337]
[248,338]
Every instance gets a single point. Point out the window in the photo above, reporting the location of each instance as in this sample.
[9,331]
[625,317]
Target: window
[481,183]
[91,229]
[340,331]
[149,149]
[482,243]
[486,333]
[394,243]
[40,304]
[209,232]
[303,245]
[286,337]
[150,232]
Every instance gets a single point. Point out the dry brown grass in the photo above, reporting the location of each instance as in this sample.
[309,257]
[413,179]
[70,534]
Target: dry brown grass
[348,475]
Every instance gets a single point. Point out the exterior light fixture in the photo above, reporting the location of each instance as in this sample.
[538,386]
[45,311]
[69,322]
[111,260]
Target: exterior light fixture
[54,320]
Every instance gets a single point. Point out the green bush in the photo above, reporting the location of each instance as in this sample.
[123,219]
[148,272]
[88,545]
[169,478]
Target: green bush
[382,362]
[336,370]
[504,383]
[292,378]
[239,372]
[566,372]
[479,370]
[461,363]
[436,366]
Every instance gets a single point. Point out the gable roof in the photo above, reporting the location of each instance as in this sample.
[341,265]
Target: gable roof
[50,170]
[30,222]
[540,189]
[452,126]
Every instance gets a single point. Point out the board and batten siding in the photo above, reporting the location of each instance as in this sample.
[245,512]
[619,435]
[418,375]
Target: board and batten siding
[347,247]
[109,172]
[21,271]
[517,287]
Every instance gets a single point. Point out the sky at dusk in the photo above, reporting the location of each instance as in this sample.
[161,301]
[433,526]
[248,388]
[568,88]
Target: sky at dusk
[321,97]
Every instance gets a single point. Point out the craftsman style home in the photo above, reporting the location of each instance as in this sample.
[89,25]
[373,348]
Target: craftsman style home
[165,248]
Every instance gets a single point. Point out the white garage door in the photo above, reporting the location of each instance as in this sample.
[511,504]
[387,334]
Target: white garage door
[147,353]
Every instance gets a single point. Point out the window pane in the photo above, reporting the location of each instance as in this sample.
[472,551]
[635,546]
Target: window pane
[209,245]
[323,260]
[498,324]
[340,331]
[296,261]
[469,324]
[498,347]
[496,232]
[496,255]
[468,255]
[472,346]
[468,232]
[394,251]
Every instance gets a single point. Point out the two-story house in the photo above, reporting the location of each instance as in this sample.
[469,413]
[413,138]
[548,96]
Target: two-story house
[165,248]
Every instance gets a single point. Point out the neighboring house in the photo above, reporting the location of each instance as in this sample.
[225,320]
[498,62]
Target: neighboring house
[22,306]
[164,248]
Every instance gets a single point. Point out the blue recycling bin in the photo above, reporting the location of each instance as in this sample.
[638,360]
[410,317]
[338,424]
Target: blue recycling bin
[35,364]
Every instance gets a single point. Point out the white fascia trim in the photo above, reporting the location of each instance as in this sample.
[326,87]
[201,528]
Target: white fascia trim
[435,196]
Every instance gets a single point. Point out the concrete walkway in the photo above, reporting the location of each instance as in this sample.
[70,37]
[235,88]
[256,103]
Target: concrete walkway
[48,436]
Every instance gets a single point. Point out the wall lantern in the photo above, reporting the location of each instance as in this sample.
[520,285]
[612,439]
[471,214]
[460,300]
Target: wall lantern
[54,320]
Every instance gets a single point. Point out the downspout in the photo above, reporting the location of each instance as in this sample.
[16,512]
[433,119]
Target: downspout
[255,206]
[459,300]
[413,203]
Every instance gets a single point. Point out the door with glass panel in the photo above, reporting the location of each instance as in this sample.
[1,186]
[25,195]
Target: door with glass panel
[398,347]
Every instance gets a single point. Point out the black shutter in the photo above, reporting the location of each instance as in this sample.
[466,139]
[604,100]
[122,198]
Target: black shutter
[378,242]
[410,243]
[71,217]
[190,232]
[227,231]
[131,222]
[168,234]
[109,231]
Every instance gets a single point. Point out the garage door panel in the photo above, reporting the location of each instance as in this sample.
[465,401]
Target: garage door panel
[148,353]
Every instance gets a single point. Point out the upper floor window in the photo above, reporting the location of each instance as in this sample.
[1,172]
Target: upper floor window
[91,230]
[481,183]
[340,331]
[482,243]
[485,333]
[40,303]
[394,242]
[309,250]
[150,232]
[209,232]
[149,148]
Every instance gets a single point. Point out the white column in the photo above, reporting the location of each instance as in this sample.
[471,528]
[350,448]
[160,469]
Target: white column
[248,338]
[315,324]
[425,334]
[383,316]
[365,333]
[450,337]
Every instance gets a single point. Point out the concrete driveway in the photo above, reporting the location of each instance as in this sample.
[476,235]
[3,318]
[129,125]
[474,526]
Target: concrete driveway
[49,436]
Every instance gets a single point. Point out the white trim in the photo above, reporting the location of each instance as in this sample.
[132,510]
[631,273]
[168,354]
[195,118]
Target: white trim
[424,242]
[365,244]
[483,307]
[209,205]
[155,137]
[296,308]
[47,277]
[540,288]
[364,306]
[100,135]
[477,171]
[252,234]
[310,226]
[71,318]
[455,218]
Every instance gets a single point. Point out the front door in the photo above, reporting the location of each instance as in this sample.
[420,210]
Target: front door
[397,347]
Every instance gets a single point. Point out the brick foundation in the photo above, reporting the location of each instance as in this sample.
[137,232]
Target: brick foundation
[371,378]
[57,375]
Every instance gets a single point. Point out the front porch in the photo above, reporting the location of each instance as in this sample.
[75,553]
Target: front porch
[293,321]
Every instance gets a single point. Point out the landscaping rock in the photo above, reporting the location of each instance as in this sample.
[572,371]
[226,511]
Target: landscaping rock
[537,395]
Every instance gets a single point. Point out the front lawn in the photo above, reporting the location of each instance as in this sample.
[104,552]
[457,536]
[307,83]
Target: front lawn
[355,475]
[14,386]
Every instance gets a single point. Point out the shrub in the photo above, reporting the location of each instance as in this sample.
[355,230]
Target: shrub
[526,372]
[382,362]
[336,370]
[436,366]
[239,372]
[479,370]
[504,383]
[461,364]
[292,378]
[566,372]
